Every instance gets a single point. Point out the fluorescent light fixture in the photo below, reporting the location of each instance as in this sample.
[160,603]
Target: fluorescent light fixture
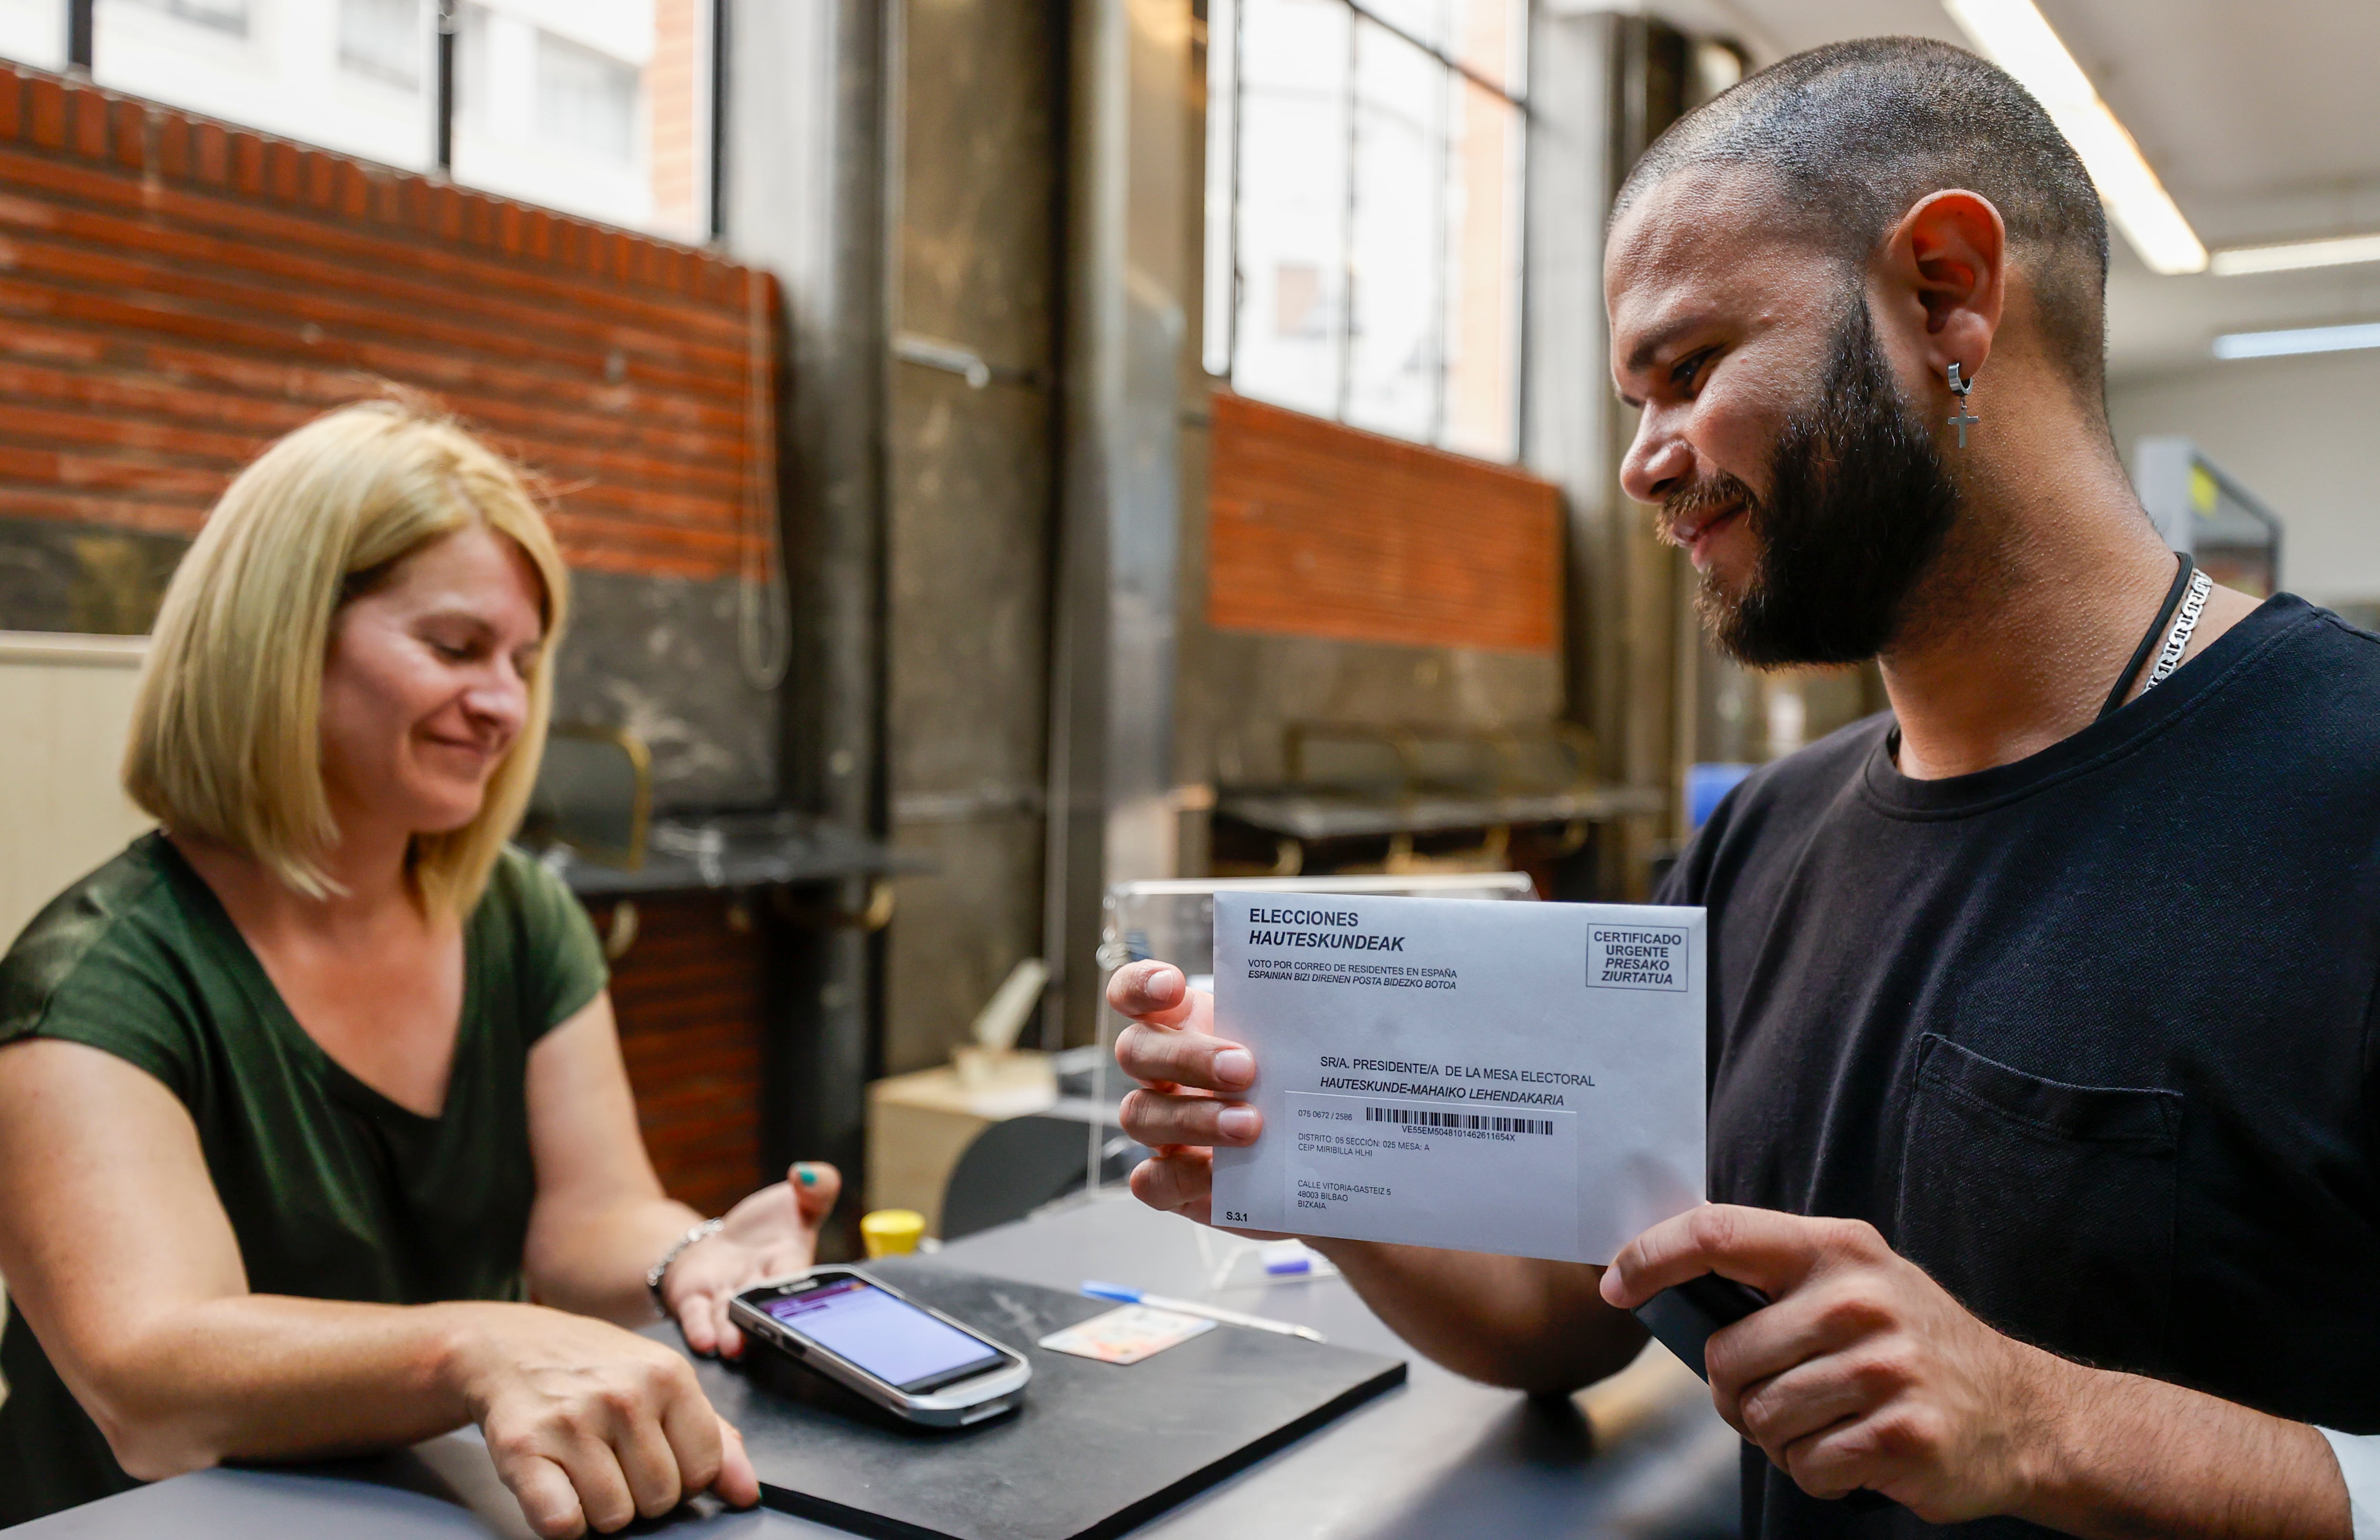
[2012,34]
[2307,339]
[2336,251]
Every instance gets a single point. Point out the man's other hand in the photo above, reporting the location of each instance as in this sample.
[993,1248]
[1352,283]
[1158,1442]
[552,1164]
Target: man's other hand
[1189,1076]
[1863,1372]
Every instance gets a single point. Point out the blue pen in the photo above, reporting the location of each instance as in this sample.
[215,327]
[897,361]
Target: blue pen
[1123,1296]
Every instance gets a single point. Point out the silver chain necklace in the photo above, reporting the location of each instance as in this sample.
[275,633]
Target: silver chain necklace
[2177,641]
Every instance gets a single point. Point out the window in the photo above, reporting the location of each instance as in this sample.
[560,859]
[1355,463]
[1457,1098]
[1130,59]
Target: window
[383,41]
[288,68]
[597,107]
[34,31]
[1362,212]
[585,100]
[600,108]
[224,15]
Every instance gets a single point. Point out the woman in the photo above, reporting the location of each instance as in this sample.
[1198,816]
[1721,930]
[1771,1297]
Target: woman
[304,1095]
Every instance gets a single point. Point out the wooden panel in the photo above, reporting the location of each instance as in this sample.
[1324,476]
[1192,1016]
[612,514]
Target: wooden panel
[691,999]
[920,1124]
[174,293]
[1321,530]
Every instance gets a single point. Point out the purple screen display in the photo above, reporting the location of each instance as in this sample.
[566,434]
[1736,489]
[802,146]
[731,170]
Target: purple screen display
[890,1338]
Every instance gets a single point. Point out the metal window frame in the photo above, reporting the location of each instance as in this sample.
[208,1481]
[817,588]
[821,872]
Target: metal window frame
[715,218]
[1456,73]
[445,20]
[1448,60]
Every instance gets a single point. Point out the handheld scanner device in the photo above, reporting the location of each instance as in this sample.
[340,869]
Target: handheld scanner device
[914,1362]
[1682,1318]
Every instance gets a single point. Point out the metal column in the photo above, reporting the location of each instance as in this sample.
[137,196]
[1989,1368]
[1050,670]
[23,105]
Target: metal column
[804,178]
[1111,814]
[1601,86]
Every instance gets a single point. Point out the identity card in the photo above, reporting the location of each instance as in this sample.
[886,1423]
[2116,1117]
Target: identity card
[1483,1075]
[1127,1334]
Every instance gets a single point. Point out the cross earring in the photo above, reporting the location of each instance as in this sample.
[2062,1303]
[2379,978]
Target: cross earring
[1962,421]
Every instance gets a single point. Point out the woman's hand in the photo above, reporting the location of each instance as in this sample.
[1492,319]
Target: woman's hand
[600,1220]
[590,1425]
[1189,1075]
[770,1234]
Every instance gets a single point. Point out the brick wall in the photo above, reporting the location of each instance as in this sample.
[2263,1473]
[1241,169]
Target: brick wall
[690,995]
[174,293]
[1316,529]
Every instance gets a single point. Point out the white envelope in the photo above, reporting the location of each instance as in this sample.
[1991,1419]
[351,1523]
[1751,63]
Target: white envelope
[1514,1077]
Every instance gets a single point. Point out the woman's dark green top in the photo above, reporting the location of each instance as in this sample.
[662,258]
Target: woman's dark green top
[335,1191]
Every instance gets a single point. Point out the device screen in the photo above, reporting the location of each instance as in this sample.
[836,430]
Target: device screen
[890,1338]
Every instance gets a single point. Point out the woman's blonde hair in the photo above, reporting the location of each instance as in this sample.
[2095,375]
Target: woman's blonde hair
[227,733]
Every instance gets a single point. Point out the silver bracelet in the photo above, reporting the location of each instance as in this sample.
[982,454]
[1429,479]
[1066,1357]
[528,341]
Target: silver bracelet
[660,1270]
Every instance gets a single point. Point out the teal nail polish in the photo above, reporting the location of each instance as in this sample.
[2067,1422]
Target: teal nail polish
[809,1177]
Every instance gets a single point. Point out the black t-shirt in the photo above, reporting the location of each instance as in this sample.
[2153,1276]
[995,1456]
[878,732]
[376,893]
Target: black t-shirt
[2088,1035]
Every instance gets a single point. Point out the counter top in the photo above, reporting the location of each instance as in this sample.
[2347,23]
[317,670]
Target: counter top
[736,850]
[1310,815]
[1641,1454]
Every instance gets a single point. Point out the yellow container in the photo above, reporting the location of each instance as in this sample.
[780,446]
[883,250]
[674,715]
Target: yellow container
[892,1231]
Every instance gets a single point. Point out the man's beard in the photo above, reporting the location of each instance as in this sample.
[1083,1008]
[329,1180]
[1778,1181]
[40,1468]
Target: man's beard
[1859,505]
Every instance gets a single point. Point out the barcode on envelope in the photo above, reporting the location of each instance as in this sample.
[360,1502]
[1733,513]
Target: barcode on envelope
[1422,1117]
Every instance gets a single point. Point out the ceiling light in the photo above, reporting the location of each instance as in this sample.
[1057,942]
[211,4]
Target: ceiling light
[2309,339]
[2336,251]
[2012,34]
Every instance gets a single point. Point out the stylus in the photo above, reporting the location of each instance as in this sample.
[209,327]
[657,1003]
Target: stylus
[1123,1296]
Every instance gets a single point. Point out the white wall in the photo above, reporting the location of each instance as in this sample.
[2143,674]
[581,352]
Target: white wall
[67,704]
[2302,433]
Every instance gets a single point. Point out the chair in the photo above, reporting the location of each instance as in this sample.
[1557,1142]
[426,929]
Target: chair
[1015,1165]
[594,793]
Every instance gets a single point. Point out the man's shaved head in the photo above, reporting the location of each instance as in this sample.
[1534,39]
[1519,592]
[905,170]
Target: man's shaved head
[1852,134]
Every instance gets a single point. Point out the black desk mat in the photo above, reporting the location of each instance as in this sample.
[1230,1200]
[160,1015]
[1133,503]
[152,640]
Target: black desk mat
[1095,1450]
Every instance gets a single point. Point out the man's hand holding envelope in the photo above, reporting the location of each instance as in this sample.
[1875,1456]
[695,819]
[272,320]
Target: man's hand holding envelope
[1516,1078]
[1506,1320]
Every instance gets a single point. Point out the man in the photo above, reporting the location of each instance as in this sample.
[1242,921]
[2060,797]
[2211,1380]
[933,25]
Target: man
[2040,1053]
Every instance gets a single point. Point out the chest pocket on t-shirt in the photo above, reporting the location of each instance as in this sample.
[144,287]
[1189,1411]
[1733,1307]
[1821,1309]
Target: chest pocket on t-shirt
[2045,1208]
